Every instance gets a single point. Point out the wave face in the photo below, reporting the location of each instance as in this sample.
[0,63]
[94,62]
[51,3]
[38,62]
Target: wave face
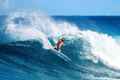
[92,43]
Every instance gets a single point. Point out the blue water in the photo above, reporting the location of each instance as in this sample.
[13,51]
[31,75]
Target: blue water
[105,24]
[23,57]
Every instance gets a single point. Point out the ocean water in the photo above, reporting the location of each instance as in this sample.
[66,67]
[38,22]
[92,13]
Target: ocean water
[91,42]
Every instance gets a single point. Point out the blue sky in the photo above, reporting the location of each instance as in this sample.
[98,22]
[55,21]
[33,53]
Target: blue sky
[63,7]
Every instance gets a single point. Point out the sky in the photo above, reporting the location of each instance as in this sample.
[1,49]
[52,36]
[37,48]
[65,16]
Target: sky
[63,7]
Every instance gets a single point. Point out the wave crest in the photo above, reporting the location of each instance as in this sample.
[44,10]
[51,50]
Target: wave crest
[40,27]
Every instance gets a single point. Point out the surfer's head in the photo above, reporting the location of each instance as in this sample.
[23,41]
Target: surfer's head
[62,39]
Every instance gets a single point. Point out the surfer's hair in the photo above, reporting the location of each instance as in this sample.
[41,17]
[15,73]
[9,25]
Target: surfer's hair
[62,39]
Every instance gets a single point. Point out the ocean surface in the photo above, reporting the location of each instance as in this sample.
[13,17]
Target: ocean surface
[91,42]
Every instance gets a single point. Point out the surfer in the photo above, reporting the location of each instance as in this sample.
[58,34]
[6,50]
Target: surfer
[59,44]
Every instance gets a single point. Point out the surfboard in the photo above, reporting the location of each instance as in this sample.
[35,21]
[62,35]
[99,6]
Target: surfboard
[61,55]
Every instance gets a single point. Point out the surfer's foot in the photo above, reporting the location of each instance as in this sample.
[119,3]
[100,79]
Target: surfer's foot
[56,48]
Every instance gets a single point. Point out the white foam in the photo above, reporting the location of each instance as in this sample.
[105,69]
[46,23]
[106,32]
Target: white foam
[40,27]
[104,47]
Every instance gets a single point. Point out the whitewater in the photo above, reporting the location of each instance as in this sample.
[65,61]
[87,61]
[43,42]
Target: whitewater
[100,50]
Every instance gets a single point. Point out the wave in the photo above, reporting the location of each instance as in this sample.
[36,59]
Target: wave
[86,44]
